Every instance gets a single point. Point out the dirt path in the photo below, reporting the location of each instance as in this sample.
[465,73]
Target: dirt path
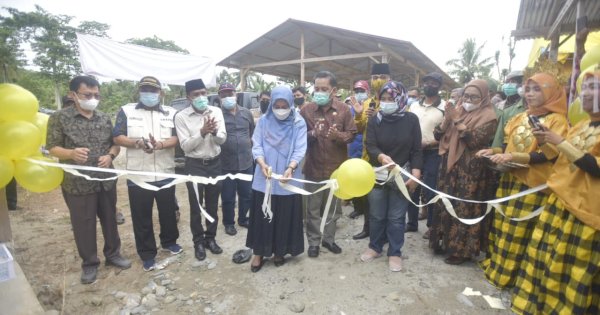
[330,284]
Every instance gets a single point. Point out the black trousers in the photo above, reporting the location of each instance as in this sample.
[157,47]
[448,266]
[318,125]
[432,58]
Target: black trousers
[209,194]
[141,202]
[83,210]
[361,204]
[11,194]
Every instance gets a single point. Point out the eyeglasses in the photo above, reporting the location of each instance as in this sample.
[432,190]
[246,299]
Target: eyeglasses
[472,97]
[89,96]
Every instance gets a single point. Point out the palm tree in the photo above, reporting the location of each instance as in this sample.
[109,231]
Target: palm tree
[469,66]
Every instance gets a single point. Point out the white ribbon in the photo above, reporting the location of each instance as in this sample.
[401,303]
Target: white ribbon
[494,203]
[177,178]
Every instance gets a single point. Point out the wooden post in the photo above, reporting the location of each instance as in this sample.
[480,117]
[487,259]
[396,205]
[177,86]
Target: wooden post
[302,79]
[554,41]
[5,231]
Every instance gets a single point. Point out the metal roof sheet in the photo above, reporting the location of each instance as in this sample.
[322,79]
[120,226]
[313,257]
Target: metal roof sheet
[277,52]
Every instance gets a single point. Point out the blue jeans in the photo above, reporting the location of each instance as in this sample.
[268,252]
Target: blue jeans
[431,164]
[244,194]
[387,209]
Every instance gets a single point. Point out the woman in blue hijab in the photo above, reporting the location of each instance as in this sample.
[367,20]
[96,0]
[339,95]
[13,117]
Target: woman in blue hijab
[279,145]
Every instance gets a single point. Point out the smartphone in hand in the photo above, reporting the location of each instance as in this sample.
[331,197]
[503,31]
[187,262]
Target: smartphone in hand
[147,144]
[535,122]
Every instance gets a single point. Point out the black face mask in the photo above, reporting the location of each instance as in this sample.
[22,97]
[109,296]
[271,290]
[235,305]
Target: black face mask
[263,106]
[299,101]
[431,91]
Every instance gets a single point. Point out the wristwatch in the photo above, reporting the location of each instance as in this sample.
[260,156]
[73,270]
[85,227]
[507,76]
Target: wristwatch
[112,156]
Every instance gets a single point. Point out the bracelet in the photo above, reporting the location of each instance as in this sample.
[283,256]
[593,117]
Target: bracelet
[112,156]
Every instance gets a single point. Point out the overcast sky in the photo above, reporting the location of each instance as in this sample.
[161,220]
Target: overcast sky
[218,28]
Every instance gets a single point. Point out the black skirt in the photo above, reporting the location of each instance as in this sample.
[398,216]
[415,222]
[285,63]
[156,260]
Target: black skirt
[283,234]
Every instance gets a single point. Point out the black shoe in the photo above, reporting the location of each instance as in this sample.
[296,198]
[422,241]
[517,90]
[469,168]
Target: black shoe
[213,247]
[313,251]
[119,262]
[278,261]
[200,252]
[88,275]
[257,268]
[230,230]
[354,214]
[244,224]
[241,256]
[411,229]
[332,247]
[14,208]
[361,235]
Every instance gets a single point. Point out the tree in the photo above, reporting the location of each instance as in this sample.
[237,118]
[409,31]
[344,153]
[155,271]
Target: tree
[94,28]
[258,84]
[11,54]
[469,65]
[155,42]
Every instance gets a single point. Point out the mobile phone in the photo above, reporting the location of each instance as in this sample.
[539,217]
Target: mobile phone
[147,144]
[372,104]
[535,122]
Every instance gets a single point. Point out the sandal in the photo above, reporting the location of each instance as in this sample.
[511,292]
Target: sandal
[369,255]
[395,263]
[254,268]
[278,261]
[455,260]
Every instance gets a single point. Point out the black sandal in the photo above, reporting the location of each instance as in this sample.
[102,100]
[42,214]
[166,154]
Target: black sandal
[278,261]
[254,268]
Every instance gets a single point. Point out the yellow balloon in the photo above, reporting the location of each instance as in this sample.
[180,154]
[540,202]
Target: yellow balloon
[16,103]
[591,57]
[7,170]
[356,177]
[41,121]
[19,139]
[38,178]
[576,112]
[339,193]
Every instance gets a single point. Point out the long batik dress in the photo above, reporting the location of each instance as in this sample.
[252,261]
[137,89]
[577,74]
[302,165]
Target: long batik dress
[469,178]
[560,273]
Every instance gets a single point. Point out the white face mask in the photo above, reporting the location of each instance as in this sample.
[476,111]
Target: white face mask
[469,107]
[88,104]
[282,113]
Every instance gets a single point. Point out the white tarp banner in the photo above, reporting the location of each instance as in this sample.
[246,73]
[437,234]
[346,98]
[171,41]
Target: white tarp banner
[109,59]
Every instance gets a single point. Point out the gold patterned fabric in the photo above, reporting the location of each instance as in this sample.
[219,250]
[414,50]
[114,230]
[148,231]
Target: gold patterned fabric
[520,139]
[575,187]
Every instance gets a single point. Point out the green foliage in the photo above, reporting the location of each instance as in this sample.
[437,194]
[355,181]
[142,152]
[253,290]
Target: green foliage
[94,28]
[470,64]
[155,42]
[40,85]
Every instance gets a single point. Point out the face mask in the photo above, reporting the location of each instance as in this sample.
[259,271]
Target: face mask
[321,98]
[361,97]
[388,108]
[469,107]
[411,100]
[299,101]
[149,99]
[510,89]
[430,91]
[377,84]
[88,104]
[282,113]
[496,99]
[520,91]
[452,101]
[200,103]
[228,102]
[263,106]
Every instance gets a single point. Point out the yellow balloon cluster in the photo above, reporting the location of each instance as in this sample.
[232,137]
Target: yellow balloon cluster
[22,131]
[355,178]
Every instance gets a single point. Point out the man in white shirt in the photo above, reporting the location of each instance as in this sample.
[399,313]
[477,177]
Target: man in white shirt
[428,109]
[201,131]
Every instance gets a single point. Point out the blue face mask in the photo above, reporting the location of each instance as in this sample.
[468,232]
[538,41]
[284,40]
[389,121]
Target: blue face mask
[388,108]
[228,102]
[361,97]
[510,89]
[200,103]
[321,98]
[411,100]
[149,99]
